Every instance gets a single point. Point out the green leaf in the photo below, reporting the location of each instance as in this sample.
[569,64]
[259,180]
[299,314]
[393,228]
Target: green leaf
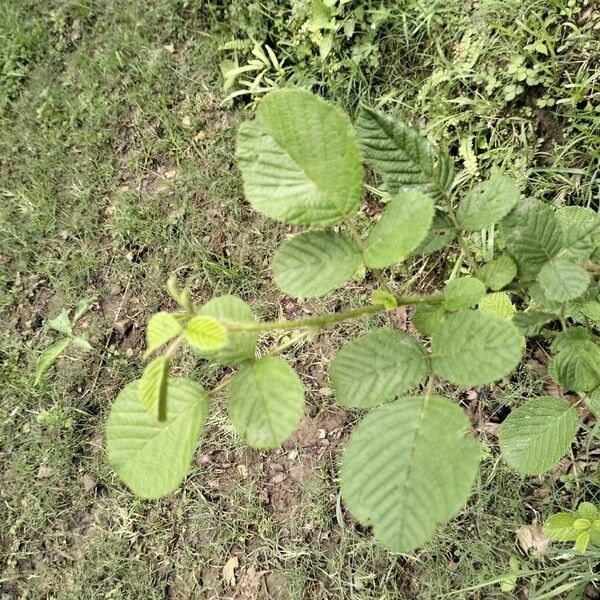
[376,367]
[428,317]
[582,541]
[61,322]
[533,236]
[441,233]
[49,355]
[562,280]
[152,389]
[581,231]
[384,298]
[408,467]
[488,202]
[463,293]
[314,263]
[82,307]
[266,402]
[577,368]
[532,322]
[300,160]
[205,334]
[404,158]
[82,342]
[152,457]
[473,348]
[535,436]
[588,511]
[591,310]
[593,402]
[162,327]
[498,273]
[560,527]
[498,303]
[241,345]
[569,338]
[402,227]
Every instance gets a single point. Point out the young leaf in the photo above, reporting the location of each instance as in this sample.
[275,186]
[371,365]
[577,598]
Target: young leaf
[473,348]
[82,343]
[205,334]
[241,345]
[49,355]
[581,230]
[588,511]
[532,322]
[498,303]
[161,328]
[152,389]
[533,235]
[463,292]
[150,456]
[376,367]
[498,273]
[582,541]
[560,527]
[61,322]
[488,202]
[408,467]
[300,160]
[82,307]
[428,317]
[266,402]
[562,280]
[591,310]
[402,156]
[535,436]
[314,263]
[402,227]
[577,367]
[441,233]
[384,298]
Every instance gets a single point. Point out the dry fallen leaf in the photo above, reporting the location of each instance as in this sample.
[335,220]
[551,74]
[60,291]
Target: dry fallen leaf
[532,540]
[229,571]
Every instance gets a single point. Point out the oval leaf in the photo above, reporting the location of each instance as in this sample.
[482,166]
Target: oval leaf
[314,263]
[498,273]
[535,436]
[560,527]
[488,202]
[241,345]
[474,348]
[150,456]
[562,280]
[407,468]
[577,367]
[376,367]
[49,356]
[205,334]
[161,328]
[463,292]
[300,160]
[581,230]
[428,317]
[402,227]
[266,402]
[152,389]
[441,233]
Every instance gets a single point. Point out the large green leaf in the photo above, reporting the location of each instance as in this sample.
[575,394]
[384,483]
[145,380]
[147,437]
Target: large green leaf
[488,202]
[498,273]
[152,389]
[407,468]
[402,227]
[428,317]
[533,235]
[401,155]
[441,233]
[463,292]
[49,356]
[581,230]
[300,160]
[577,367]
[314,263]
[377,366]
[535,436]
[475,348]
[241,345]
[266,402]
[152,457]
[563,280]
[161,328]
[205,334]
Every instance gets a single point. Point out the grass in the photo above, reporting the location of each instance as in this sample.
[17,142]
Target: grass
[117,169]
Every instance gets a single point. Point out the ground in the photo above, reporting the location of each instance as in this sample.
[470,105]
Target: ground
[116,170]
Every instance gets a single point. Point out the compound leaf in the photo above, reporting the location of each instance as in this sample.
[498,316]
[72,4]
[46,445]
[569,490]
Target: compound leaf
[49,355]
[314,263]
[376,367]
[152,457]
[533,235]
[161,328]
[563,280]
[205,334]
[498,273]
[241,345]
[560,527]
[402,227]
[408,467]
[152,389]
[300,160]
[401,155]
[535,436]
[488,202]
[475,348]
[266,402]
[463,293]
